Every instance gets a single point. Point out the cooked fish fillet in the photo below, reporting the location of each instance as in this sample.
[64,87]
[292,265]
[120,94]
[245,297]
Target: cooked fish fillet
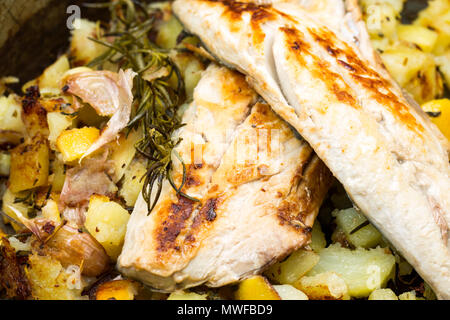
[259,186]
[391,160]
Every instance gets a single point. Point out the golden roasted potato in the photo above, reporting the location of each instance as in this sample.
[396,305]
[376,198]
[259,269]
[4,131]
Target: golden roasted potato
[256,288]
[11,125]
[185,295]
[34,115]
[362,270]
[50,80]
[51,212]
[29,165]
[168,33]
[74,143]
[439,112]
[107,222]
[5,163]
[123,151]
[82,49]
[288,292]
[132,182]
[318,241]
[58,175]
[436,16]
[191,69]
[324,286]
[50,281]
[383,294]
[293,268]
[410,295]
[117,290]
[349,220]
[423,37]
[414,70]
[381,19]
[57,123]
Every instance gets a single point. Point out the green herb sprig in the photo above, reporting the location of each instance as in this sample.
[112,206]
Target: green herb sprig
[156,101]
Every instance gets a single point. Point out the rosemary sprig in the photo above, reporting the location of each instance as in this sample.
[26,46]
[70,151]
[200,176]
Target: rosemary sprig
[155,102]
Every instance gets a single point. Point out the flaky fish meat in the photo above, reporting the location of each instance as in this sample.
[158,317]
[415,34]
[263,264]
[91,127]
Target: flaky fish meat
[258,188]
[332,88]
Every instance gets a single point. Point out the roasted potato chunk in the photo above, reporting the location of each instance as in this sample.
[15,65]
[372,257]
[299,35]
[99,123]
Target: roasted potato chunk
[74,143]
[82,49]
[439,112]
[107,222]
[294,267]
[133,182]
[57,123]
[29,165]
[5,163]
[324,286]
[11,125]
[383,294]
[288,292]
[356,229]
[12,275]
[117,290]
[50,281]
[123,151]
[185,295]
[50,80]
[256,288]
[362,270]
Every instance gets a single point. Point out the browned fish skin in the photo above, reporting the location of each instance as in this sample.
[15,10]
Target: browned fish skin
[391,159]
[217,241]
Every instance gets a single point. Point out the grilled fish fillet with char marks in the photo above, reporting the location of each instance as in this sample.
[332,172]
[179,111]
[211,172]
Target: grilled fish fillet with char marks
[391,160]
[259,186]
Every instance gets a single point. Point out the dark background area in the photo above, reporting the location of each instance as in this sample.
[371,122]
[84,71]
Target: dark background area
[41,39]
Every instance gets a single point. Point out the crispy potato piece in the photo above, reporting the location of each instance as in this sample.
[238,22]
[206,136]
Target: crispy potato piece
[293,268]
[74,143]
[185,295]
[50,80]
[410,295]
[383,294]
[324,286]
[12,275]
[318,241]
[439,112]
[123,152]
[362,270]
[11,125]
[107,222]
[348,221]
[421,36]
[82,49]
[256,288]
[50,211]
[50,281]
[57,123]
[5,163]
[288,292]
[117,290]
[34,116]
[29,165]
[132,182]
[58,175]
